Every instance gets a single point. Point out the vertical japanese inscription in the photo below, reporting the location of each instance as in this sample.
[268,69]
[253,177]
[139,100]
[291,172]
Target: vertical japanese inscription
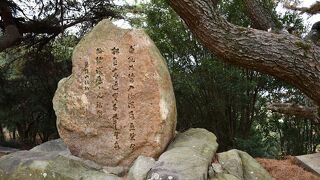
[86,84]
[98,81]
[115,94]
[131,91]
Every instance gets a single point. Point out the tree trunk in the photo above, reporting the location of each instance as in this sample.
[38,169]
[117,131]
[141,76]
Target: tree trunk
[2,138]
[281,55]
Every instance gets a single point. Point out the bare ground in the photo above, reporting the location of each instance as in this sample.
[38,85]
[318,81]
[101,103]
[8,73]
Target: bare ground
[286,169]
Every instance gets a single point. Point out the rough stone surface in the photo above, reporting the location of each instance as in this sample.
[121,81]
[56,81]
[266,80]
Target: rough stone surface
[140,168]
[223,176]
[251,168]
[188,156]
[49,146]
[241,166]
[7,150]
[119,102]
[56,164]
[231,163]
[118,170]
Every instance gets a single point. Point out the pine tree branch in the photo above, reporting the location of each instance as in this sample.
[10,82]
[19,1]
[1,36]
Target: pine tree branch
[313,9]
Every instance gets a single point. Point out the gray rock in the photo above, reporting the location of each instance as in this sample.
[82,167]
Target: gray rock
[252,170]
[242,166]
[54,145]
[231,163]
[187,158]
[310,162]
[49,162]
[7,150]
[222,176]
[140,168]
[211,172]
[215,169]
[118,170]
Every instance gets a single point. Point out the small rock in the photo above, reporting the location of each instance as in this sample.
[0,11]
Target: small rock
[211,172]
[216,167]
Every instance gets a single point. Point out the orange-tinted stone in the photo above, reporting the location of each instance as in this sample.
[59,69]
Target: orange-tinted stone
[119,102]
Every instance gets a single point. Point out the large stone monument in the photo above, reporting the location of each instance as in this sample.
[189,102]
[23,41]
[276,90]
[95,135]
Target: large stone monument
[119,102]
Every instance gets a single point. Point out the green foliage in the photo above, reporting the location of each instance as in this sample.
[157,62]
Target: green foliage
[26,100]
[303,45]
[259,146]
[235,12]
[293,22]
[10,143]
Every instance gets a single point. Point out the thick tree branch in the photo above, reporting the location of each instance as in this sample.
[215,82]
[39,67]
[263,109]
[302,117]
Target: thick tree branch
[293,109]
[284,56]
[11,32]
[21,29]
[296,110]
[261,18]
[314,9]
[39,27]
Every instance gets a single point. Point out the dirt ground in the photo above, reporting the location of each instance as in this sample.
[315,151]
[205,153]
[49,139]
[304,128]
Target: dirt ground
[286,169]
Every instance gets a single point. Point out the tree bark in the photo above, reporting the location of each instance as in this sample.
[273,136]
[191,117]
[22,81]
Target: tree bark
[281,55]
[14,28]
[261,18]
[11,32]
[313,9]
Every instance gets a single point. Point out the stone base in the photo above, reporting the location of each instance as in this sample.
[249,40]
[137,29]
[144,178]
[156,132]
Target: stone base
[7,150]
[51,160]
[189,157]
